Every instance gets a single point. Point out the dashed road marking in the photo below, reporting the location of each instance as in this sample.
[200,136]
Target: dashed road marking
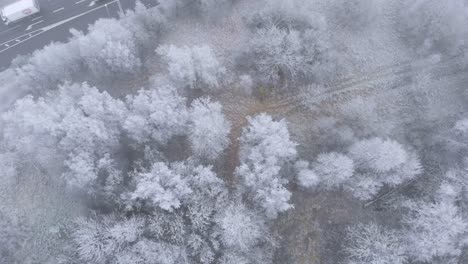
[36,18]
[11,40]
[57,10]
[30,26]
[81,1]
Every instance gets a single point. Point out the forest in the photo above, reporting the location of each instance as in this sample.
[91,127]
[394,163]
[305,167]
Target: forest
[242,132]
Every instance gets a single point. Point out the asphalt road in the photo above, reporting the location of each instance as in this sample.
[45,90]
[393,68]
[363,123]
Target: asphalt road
[53,23]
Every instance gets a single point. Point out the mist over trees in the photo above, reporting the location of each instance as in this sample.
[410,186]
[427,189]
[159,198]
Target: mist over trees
[241,132]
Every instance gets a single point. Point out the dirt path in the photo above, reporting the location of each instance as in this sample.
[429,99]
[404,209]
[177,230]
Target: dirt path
[306,96]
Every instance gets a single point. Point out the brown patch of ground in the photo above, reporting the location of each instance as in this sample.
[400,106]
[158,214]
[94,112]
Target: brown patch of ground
[317,219]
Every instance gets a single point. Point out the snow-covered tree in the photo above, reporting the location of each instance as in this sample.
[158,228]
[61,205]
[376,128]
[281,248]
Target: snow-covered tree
[275,198]
[91,239]
[161,186]
[354,14]
[156,115]
[99,240]
[208,188]
[148,251]
[296,15]
[278,54]
[378,155]
[290,44]
[462,126]
[434,26]
[53,64]
[94,122]
[203,8]
[185,206]
[380,162]
[265,139]
[240,228]
[333,169]
[195,67]
[209,194]
[146,26]
[265,148]
[109,48]
[91,133]
[76,124]
[11,237]
[373,244]
[208,129]
[209,5]
[435,229]
[233,258]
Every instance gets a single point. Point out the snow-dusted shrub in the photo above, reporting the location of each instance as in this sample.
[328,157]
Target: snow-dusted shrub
[308,178]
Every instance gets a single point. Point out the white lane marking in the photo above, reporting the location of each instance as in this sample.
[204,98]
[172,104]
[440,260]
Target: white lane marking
[7,45]
[120,7]
[20,36]
[11,28]
[92,3]
[49,27]
[36,18]
[57,10]
[30,26]
[81,1]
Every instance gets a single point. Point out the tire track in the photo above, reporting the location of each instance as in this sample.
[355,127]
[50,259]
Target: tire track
[307,95]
